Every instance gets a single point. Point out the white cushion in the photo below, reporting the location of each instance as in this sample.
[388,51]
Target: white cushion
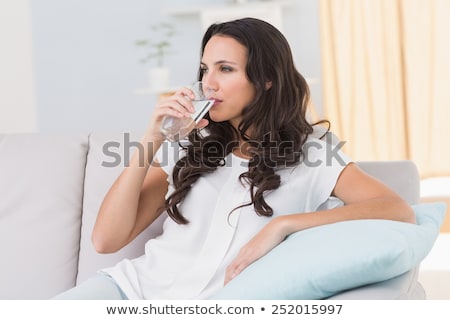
[41,189]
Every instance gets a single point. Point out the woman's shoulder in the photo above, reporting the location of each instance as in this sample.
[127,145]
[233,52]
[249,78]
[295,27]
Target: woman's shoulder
[325,149]
[168,154]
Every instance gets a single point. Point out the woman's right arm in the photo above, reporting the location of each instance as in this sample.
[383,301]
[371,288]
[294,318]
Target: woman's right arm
[133,201]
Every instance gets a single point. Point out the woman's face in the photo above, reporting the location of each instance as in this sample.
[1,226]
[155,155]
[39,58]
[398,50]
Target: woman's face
[223,64]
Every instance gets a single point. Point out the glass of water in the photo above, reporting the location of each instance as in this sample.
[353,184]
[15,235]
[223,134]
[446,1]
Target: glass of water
[175,129]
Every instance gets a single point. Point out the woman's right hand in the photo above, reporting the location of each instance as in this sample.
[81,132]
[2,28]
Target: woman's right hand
[178,105]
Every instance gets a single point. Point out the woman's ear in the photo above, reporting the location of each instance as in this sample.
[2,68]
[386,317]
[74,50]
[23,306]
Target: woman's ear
[268,85]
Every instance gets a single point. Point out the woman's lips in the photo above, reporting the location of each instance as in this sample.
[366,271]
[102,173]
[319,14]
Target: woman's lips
[216,102]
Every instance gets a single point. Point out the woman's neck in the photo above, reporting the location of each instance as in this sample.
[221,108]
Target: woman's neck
[242,150]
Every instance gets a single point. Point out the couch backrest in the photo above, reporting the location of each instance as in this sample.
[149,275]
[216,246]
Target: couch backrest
[41,191]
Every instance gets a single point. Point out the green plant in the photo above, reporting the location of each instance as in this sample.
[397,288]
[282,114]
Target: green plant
[159,44]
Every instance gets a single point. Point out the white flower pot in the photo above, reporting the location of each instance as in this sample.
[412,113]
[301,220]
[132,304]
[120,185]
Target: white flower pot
[159,79]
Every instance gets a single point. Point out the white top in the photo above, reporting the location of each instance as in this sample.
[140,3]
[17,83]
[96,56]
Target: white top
[189,261]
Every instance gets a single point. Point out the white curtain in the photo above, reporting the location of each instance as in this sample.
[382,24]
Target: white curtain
[386,79]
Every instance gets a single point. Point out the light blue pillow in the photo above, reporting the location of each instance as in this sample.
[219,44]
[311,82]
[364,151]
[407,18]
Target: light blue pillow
[320,262]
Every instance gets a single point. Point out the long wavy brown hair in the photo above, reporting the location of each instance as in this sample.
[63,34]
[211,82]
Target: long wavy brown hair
[274,125]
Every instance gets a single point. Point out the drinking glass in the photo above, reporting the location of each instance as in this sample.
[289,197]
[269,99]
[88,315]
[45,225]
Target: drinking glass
[175,129]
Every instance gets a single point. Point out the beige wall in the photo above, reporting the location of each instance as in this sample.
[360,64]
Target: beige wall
[17,94]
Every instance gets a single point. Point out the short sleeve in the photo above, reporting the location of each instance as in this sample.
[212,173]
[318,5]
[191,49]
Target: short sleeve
[168,155]
[325,162]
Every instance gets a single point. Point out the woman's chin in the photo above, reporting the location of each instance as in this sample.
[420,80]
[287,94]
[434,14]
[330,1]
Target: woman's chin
[215,116]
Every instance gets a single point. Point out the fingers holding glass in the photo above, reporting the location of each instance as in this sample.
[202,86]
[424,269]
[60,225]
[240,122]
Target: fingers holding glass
[195,99]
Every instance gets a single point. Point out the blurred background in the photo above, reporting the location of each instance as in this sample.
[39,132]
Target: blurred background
[74,65]
[379,70]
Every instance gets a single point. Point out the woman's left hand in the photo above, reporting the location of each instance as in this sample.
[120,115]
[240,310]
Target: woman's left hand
[265,240]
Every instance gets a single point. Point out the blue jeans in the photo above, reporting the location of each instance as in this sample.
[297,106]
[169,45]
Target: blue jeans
[99,287]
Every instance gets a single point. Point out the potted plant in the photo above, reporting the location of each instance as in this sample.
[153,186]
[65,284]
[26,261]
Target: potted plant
[159,46]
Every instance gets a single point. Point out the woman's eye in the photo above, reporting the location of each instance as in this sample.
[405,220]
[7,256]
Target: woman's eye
[203,70]
[226,69]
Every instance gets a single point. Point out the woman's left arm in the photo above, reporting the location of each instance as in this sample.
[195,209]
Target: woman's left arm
[364,197]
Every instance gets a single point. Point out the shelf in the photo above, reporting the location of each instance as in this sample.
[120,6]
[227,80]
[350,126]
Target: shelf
[147,90]
[270,11]
[237,7]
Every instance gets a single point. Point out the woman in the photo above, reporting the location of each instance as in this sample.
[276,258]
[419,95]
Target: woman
[251,175]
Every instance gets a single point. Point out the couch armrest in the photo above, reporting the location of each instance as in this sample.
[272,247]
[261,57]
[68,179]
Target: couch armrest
[402,176]
[402,287]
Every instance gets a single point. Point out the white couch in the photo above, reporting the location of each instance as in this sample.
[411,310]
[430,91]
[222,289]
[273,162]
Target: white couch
[51,187]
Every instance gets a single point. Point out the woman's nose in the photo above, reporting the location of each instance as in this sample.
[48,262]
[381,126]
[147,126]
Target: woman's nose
[209,83]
